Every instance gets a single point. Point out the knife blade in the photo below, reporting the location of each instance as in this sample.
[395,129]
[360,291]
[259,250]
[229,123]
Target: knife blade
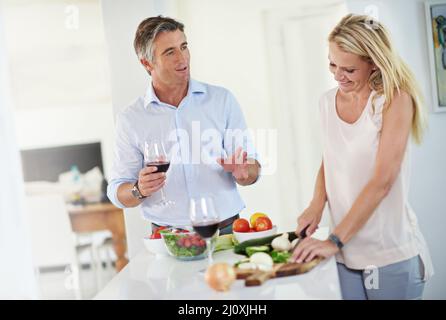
[300,236]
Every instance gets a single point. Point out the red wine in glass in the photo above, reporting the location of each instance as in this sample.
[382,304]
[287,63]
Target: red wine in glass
[162,166]
[155,155]
[206,229]
[204,219]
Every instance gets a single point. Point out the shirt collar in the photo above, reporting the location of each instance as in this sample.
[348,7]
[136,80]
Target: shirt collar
[194,87]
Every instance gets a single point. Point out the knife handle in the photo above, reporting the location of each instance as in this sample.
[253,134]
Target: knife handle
[303,232]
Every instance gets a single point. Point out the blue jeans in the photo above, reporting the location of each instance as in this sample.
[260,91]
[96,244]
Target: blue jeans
[398,281]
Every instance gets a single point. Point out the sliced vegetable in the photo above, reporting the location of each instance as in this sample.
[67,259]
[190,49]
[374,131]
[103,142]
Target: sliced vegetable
[251,250]
[238,263]
[224,242]
[264,267]
[247,266]
[261,258]
[241,247]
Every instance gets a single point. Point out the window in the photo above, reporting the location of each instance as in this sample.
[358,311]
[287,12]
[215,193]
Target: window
[57,53]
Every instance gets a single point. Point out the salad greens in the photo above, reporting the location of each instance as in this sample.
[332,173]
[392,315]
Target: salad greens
[280,256]
[184,245]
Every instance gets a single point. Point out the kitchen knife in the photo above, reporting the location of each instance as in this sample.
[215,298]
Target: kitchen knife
[300,236]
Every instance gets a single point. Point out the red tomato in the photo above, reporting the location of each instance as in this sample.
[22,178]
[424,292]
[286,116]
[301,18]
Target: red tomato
[156,232]
[240,225]
[252,230]
[155,236]
[180,231]
[263,224]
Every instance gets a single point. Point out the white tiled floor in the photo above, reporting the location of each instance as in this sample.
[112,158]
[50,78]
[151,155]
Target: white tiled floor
[55,284]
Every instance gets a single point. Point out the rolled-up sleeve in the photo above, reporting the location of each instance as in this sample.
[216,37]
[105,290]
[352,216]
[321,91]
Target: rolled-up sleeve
[128,159]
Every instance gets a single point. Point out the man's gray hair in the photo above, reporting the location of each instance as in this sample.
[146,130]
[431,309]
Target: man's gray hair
[147,32]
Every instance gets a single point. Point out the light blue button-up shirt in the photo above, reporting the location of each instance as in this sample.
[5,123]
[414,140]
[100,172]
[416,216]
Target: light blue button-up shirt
[207,124]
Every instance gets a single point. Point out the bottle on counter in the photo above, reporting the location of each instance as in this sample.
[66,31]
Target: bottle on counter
[76,197]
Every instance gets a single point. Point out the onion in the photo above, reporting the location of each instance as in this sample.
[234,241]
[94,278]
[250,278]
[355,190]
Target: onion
[261,258]
[220,276]
[281,243]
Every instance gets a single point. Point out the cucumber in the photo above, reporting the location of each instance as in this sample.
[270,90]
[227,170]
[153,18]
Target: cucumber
[251,250]
[265,241]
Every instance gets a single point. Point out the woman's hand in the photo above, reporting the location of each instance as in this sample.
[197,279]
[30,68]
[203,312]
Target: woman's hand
[311,218]
[310,248]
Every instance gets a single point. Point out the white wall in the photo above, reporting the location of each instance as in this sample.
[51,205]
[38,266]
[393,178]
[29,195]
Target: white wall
[407,24]
[17,276]
[229,48]
[129,80]
[62,91]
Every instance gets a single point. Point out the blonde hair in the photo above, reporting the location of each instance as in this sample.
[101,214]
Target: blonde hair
[367,38]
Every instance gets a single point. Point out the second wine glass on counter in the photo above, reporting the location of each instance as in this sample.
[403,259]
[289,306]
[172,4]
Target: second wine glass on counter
[155,156]
[205,220]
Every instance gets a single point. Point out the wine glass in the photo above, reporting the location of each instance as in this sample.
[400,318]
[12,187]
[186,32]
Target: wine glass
[205,220]
[155,156]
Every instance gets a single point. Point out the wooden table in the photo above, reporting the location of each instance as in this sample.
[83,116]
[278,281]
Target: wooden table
[98,217]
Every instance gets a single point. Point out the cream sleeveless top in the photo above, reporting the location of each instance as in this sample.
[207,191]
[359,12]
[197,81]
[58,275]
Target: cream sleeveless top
[391,234]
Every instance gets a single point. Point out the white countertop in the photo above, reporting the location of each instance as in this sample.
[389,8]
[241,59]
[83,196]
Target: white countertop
[161,277]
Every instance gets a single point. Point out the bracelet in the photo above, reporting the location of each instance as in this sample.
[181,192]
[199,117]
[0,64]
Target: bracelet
[333,238]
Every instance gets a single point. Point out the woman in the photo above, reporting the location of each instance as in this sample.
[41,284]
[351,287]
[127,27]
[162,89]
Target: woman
[364,175]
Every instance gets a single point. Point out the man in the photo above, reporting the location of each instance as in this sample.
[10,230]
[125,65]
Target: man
[203,129]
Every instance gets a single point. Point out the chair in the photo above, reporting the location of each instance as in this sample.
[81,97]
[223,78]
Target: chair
[53,241]
[101,246]
[136,229]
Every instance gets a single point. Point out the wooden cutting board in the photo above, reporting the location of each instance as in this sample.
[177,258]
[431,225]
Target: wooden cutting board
[256,277]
